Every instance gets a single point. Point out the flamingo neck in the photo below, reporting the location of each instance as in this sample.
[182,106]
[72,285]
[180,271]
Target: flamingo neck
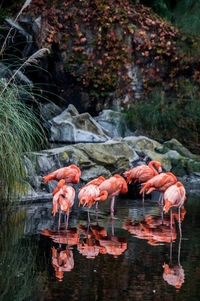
[151,165]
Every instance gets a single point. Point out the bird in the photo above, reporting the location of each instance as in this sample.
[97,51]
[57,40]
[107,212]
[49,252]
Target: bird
[160,183]
[96,181]
[62,201]
[175,196]
[90,194]
[143,173]
[69,174]
[114,186]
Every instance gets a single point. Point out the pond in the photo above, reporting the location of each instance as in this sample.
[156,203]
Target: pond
[130,257]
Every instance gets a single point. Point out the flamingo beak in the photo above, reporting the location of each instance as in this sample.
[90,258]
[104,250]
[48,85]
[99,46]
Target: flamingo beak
[167,205]
[160,169]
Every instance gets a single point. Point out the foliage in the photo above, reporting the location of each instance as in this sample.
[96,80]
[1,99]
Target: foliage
[20,132]
[164,118]
[102,41]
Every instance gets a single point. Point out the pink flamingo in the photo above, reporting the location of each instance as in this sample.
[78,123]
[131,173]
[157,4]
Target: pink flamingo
[114,186]
[90,194]
[69,174]
[174,196]
[63,200]
[160,183]
[143,173]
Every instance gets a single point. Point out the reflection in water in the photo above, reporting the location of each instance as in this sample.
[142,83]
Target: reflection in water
[98,241]
[30,263]
[69,236]
[62,260]
[174,274]
[155,229]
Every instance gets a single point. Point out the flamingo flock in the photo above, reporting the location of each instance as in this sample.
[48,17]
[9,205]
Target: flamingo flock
[96,241]
[150,177]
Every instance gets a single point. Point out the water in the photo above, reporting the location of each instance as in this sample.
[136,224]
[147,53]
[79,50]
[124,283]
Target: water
[131,258]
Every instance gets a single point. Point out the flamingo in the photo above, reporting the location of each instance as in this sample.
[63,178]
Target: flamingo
[143,173]
[174,196]
[160,183]
[114,186]
[96,181]
[63,200]
[69,174]
[90,193]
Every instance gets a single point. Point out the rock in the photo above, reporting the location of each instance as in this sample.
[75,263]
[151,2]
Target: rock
[72,127]
[174,144]
[114,123]
[94,159]
[49,110]
[106,159]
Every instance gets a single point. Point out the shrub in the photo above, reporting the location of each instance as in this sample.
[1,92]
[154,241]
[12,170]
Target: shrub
[164,118]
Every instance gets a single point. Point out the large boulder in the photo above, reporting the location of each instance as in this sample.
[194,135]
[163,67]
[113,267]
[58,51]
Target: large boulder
[114,123]
[72,127]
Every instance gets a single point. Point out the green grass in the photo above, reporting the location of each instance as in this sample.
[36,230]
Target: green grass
[20,132]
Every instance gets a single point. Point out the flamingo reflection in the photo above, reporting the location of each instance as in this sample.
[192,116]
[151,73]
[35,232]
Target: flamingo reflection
[174,274]
[62,259]
[154,229]
[89,246]
[69,236]
[98,241]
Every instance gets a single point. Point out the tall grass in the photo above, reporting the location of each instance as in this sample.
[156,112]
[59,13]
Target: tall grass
[20,128]
[20,132]
[165,118]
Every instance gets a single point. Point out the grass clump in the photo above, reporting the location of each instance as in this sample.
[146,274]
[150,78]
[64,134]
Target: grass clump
[164,118]
[20,132]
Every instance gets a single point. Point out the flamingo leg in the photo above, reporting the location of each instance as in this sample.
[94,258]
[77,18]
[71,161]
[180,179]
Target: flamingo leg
[143,197]
[67,221]
[179,251]
[171,227]
[170,256]
[179,221]
[112,226]
[112,206]
[162,215]
[162,199]
[88,216]
[96,207]
[59,218]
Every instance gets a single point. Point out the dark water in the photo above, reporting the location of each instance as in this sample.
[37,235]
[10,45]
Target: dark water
[132,258]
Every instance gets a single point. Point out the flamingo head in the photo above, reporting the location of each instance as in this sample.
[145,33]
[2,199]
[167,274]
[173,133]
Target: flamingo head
[158,166]
[167,206]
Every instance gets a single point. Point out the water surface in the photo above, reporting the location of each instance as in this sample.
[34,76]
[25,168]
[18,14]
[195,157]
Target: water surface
[129,258]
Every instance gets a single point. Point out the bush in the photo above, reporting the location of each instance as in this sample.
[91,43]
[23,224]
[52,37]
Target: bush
[164,118]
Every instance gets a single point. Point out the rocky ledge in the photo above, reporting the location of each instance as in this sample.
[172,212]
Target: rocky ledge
[115,155]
